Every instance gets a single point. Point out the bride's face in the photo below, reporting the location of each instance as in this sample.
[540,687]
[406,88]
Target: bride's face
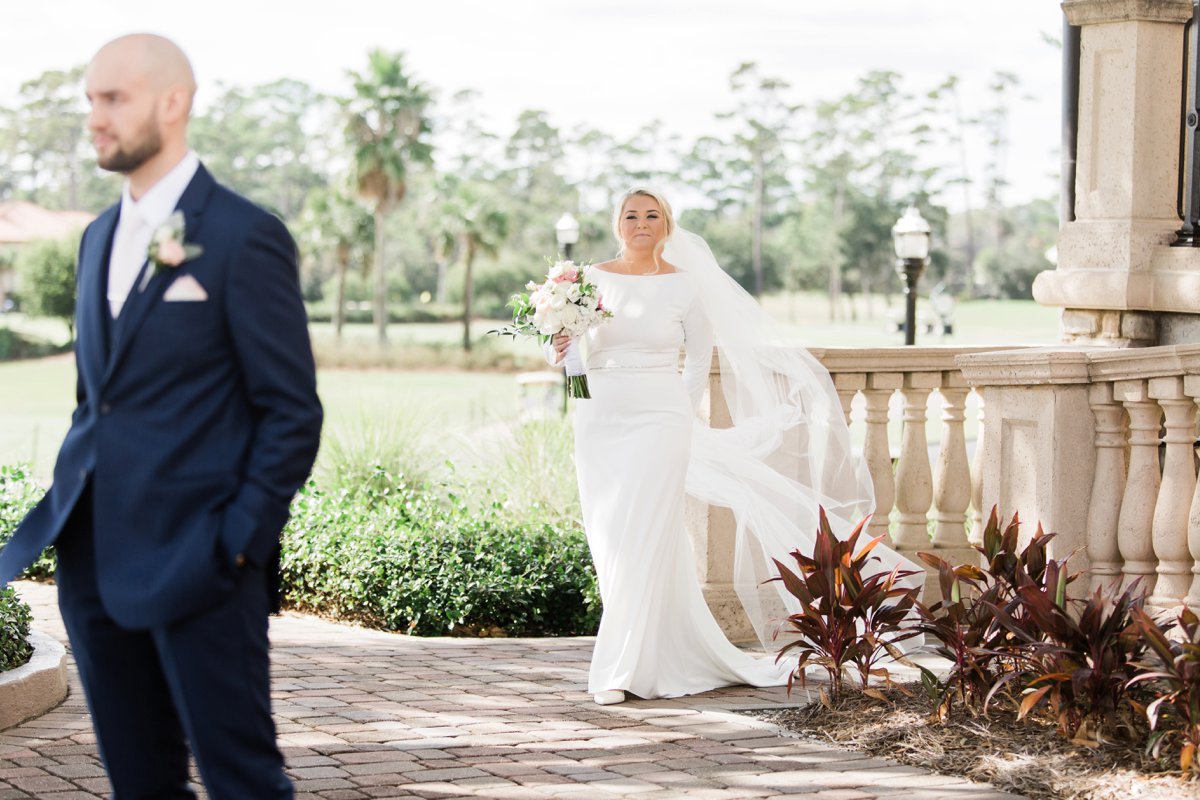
[642,225]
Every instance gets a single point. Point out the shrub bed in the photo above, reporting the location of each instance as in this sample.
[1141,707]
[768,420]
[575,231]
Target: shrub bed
[414,558]
[14,346]
[1099,668]
[486,354]
[19,492]
[15,617]
[401,558]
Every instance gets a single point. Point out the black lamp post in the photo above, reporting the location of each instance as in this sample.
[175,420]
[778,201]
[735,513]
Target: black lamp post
[566,231]
[911,238]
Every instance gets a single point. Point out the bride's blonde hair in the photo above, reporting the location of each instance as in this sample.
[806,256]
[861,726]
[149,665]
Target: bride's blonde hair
[668,217]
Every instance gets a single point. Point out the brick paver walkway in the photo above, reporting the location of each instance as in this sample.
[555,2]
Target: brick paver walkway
[364,714]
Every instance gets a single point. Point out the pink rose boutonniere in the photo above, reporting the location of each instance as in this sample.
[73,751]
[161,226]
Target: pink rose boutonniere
[168,249]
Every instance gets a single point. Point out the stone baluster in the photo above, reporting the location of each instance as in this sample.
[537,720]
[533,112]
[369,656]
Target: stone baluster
[876,450]
[848,384]
[977,511]
[1108,483]
[1171,511]
[1136,521]
[952,478]
[1191,385]
[914,481]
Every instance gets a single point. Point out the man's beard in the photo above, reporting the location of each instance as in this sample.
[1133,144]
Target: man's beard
[125,161]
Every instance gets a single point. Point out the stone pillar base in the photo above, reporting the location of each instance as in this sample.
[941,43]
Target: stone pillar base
[723,601]
[1110,328]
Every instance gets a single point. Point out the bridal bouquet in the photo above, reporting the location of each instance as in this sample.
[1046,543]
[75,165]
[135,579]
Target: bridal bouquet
[563,303]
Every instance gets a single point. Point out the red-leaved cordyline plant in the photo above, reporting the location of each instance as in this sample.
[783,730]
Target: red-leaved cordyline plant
[1172,671]
[1076,661]
[963,629]
[963,624]
[850,614]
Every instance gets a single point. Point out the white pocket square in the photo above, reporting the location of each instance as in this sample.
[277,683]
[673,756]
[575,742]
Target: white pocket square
[185,289]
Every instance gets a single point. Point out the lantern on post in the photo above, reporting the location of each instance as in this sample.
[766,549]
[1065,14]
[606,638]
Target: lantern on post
[910,236]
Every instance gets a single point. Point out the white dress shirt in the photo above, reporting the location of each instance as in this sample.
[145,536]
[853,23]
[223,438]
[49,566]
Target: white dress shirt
[136,225]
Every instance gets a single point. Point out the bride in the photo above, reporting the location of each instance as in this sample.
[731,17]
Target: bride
[640,448]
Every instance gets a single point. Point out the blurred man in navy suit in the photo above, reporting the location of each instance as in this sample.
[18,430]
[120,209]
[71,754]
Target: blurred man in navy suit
[197,421]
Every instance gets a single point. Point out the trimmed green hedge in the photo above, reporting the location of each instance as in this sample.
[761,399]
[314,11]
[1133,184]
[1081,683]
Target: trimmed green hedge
[411,558]
[14,346]
[19,492]
[15,617]
[402,559]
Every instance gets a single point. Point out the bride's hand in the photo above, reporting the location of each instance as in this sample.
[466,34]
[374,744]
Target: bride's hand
[561,343]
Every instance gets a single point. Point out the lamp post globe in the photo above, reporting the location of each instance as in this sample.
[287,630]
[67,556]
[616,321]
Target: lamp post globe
[910,236]
[566,231]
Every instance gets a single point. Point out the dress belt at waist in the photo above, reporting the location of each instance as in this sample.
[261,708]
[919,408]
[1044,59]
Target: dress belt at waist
[660,365]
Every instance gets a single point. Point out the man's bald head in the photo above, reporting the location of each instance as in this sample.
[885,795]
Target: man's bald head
[141,88]
[155,59]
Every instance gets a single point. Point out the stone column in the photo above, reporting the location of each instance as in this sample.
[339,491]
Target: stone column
[712,530]
[1114,270]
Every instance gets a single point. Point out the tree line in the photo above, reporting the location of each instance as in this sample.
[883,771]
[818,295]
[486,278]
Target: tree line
[403,203]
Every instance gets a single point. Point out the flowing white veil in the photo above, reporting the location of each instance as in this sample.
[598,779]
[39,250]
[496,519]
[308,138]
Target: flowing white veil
[788,450]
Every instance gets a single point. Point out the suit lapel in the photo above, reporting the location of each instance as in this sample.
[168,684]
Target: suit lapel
[146,294]
[94,345]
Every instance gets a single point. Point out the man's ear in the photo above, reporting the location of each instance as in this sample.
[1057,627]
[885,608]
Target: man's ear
[176,104]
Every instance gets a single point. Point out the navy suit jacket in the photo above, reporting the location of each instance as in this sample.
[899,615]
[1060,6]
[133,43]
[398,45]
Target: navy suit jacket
[197,421]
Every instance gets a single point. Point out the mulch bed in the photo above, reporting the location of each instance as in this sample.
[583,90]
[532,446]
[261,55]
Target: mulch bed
[1027,756]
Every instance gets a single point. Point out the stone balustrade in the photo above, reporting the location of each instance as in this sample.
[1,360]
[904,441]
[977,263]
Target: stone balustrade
[883,390]
[1096,444]
[898,384]
[1099,445]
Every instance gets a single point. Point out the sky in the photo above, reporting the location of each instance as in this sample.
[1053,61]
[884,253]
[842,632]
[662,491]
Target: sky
[609,64]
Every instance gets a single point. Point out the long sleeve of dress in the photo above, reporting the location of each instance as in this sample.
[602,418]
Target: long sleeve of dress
[698,351]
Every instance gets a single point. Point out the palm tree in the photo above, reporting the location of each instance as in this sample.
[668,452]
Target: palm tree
[387,128]
[473,223]
[339,227]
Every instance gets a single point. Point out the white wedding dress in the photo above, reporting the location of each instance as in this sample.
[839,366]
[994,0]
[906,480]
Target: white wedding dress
[633,438]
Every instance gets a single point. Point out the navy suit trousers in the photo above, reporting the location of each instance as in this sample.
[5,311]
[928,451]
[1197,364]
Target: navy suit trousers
[201,681]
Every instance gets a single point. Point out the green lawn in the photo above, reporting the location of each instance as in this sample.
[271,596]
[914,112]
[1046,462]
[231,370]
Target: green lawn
[976,322]
[36,401]
[37,397]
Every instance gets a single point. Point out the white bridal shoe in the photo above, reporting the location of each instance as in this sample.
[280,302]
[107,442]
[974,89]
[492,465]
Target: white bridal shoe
[609,697]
